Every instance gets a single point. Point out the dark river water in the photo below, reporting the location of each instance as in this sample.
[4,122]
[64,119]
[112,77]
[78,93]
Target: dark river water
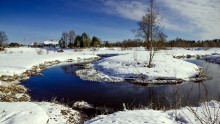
[61,83]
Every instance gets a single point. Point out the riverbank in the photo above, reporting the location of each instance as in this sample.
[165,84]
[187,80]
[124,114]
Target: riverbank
[15,61]
[19,64]
[38,113]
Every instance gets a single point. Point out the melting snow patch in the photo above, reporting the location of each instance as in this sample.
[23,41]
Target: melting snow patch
[82,104]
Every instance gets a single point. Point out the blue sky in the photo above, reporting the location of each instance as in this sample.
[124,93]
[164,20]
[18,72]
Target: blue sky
[112,20]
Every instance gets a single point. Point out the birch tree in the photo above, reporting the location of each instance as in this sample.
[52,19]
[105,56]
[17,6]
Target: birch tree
[150,29]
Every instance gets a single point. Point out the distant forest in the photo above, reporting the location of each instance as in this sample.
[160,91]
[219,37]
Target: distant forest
[70,39]
[178,42]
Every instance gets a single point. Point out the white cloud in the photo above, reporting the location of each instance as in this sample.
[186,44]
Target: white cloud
[203,14]
[201,18]
[133,10]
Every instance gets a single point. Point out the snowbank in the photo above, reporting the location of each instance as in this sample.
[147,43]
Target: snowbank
[131,65]
[37,113]
[192,51]
[134,66]
[207,113]
[164,66]
[133,117]
[18,60]
[22,113]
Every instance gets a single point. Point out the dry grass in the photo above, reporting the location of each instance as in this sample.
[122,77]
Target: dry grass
[13,93]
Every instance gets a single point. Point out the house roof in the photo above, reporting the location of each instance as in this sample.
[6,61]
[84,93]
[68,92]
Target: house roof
[54,42]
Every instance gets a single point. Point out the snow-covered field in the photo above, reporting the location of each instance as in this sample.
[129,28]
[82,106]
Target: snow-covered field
[37,113]
[51,113]
[193,51]
[132,65]
[18,60]
[206,113]
[127,64]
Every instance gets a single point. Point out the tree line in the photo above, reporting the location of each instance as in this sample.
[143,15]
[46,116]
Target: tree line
[70,39]
[178,42]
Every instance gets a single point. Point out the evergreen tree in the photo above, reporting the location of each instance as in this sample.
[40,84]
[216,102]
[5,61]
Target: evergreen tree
[95,41]
[62,43]
[106,43]
[86,40]
[78,41]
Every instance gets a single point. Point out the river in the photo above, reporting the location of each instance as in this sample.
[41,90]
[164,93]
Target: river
[62,83]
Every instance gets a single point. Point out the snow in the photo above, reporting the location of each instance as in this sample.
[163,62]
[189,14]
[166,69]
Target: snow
[192,51]
[51,42]
[22,113]
[180,116]
[37,113]
[51,113]
[59,114]
[131,65]
[127,64]
[165,66]
[82,104]
[18,60]
[133,117]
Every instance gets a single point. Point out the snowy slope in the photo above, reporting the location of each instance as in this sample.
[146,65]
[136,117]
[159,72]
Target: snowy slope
[133,117]
[181,116]
[37,113]
[22,113]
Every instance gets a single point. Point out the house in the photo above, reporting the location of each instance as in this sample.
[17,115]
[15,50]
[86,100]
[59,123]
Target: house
[51,43]
[37,45]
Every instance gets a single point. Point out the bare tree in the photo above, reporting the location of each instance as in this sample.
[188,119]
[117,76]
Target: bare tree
[64,37]
[3,38]
[150,29]
[72,36]
[68,38]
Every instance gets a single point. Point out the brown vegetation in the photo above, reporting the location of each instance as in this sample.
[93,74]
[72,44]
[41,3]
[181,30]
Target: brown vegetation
[13,93]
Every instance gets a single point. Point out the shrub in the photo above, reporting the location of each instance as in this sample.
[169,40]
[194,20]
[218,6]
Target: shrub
[2,49]
[39,51]
[60,51]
